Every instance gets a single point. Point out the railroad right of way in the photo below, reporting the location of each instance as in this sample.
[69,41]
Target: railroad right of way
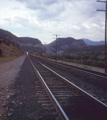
[30,100]
[75,104]
[95,85]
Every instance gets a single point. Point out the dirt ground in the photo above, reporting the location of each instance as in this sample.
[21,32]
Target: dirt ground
[23,104]
[8,72]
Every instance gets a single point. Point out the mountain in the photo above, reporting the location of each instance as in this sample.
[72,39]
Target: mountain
[31,45]
[89,42]
[28,40]
[9,48]
[63,44]
[8,35]
[27,44]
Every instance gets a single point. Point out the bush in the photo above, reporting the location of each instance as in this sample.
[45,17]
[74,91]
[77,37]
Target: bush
[86,57]
[0,52]
[68,57]
[100,64]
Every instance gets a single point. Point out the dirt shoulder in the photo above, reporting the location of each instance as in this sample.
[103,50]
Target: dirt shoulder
[8,72]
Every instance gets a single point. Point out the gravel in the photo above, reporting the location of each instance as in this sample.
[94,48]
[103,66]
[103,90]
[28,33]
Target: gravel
[8,72]
[23,104]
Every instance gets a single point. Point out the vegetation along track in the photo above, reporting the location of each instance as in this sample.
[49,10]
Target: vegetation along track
[77,103]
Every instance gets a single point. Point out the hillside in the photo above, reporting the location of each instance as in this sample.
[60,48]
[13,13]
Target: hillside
[8,35]
[86,50]
[27,44]
[87,55]
[9,48]
[64,43]
[28,40]
[31,45]
[34,45]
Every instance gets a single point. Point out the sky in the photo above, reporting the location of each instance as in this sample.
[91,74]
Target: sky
[43,19]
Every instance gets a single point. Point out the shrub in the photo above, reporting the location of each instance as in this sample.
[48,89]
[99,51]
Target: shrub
[0,52]
[100,64]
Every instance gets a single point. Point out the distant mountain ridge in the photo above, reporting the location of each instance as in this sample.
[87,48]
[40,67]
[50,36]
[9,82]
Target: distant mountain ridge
[27,43]
[89,42]
[33,45]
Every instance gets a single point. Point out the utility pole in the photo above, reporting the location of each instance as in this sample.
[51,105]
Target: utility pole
[56,44]
[105,1]
[44,52]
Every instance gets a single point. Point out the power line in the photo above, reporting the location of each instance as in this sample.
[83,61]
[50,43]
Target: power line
[105,32]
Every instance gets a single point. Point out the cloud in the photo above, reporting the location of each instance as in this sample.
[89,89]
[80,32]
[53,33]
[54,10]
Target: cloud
[42,18]
[38,4]
[56,9]
[45,9]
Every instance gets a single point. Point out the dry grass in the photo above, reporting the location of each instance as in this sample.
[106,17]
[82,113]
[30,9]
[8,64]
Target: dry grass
[9,52]
[6,59]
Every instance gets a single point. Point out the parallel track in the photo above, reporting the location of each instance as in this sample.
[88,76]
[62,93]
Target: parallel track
[76,103]
[83,70]
[95,78]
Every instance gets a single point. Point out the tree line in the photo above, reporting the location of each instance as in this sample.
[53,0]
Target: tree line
[91,60]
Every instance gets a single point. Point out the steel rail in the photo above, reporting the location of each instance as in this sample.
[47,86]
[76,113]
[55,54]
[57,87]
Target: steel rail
[81,69]
[95,73]
[86,93]
[86,71]
[50,93]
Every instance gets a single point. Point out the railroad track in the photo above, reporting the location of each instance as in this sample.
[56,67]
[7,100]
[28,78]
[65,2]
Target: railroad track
[93,78]
[46,103]
[74,68]
[69,101]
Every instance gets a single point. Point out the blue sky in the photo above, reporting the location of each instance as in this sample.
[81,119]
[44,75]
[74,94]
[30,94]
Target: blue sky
[43,18]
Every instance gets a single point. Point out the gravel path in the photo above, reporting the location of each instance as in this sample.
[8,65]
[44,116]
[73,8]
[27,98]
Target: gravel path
[23,104]
[8,72]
